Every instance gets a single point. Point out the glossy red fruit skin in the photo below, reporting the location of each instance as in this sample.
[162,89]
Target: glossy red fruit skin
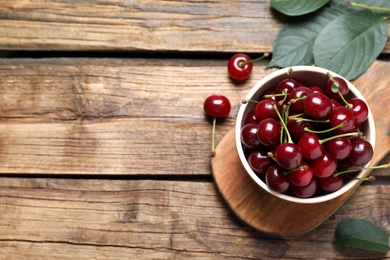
[317,89]
[310,146]
[288,156]
[236,71]
[299,92]
[264,109]
[301,177]
[361,153]
[342,86]
[318,106]
[217,106]
[296,128]
[249,136]
[331,184]
[359,110]
[259,161]
[251,118]
[339,148]
[276,180]
[286,84]
[342,115]
[305,191]
[268,132]
[324,166]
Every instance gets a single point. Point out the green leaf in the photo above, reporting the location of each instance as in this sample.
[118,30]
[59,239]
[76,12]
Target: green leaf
[297,7]
[294,42]
[343,5]
[361,234]
[350,44]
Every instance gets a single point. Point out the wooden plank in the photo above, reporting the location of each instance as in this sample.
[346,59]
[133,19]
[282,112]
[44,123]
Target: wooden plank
[100,116]
[156,219]
[132,25]
[81,116]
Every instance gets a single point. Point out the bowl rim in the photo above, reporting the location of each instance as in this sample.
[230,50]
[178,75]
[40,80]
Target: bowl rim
[370,136]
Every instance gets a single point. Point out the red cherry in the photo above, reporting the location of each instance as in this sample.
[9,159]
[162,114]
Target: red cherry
[339,148]
[342,115]
[310,146]
[276,180]
[359,110]
[302,176]
[324,166]
[305,191]
[259,161]
[336,86]
[249,136]
[239,67]
[331,184]
[361,153]
[297,93]
[288,156]
[318,106]
[217,106]
[265,109]
[268,132]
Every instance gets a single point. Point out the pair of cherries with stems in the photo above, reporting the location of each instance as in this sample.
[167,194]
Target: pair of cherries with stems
[218,106]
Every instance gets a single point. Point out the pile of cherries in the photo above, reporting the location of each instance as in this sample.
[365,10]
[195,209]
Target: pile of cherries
[305,140]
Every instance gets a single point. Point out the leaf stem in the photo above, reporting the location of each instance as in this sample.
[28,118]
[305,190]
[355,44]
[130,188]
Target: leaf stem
[368,7]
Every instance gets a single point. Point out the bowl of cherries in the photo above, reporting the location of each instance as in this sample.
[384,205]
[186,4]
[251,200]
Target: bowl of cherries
[305,134]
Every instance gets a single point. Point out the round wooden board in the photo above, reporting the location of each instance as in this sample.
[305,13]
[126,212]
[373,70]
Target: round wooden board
[259,209]
[270,214]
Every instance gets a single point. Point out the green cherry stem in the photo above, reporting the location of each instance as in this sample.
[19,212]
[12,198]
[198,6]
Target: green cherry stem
[383,166]
[303,167]
[358,134]
[297,117]
[368,7]
[243,63]
[213,136]
[289,139]
[335,89]
[306,129]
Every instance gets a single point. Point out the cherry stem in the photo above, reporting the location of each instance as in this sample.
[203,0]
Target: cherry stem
[285,94]
[243,63]
[289,72]
[297,117]
[303,167]
[297,99]
[335,89]
[306,129]
[383,166]
[245,101]
[283,124]
[213,136]
[368,7]
[358,134]
[274,95]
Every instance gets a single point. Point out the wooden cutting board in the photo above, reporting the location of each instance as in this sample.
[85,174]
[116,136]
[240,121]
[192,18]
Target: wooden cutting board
[269,214]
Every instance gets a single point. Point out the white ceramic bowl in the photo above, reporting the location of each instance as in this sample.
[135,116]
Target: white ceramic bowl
[313,76]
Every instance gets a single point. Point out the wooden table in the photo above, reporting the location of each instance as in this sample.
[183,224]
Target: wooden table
[105,149]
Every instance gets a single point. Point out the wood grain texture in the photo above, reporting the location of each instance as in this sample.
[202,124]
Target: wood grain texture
[138,25]
[108,116]
[134,25]
[118,219]
[102,116]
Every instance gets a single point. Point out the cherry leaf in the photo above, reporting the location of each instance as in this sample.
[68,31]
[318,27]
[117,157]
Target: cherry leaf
[361,234]
[294,42]
[343,5]
[350,44]
[297,7]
